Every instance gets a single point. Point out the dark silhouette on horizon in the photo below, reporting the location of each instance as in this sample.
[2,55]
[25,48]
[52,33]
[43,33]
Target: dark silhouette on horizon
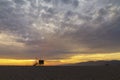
[39,62]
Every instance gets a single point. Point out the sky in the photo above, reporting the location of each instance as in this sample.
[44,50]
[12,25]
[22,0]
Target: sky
[62,31]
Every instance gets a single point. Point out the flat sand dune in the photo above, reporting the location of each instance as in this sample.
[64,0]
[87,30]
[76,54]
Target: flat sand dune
[60,73]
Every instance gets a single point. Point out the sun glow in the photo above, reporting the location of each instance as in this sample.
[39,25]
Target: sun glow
[91,57]
[12,62]
[73,59]
[26,62]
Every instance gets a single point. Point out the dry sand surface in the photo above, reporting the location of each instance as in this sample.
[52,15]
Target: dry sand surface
[60,73]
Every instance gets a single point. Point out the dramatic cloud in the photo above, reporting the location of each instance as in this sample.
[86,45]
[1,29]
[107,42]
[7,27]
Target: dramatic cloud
[58,28]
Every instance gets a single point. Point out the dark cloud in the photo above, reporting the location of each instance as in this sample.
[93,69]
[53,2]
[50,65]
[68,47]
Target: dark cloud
[21,2]
[101,34]
[66,1]
[76,3]
[60,27]
[48,1]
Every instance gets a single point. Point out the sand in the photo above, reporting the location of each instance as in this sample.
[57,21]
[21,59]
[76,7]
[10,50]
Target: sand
[60,73]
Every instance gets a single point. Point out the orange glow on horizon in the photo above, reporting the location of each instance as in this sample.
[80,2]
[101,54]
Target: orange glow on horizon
[91,57]
[27,62]
[12,62]
[73,59]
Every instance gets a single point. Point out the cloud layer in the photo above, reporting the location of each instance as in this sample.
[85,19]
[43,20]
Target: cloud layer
[58,28]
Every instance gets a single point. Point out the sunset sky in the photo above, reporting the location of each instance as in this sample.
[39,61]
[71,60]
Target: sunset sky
[59,31]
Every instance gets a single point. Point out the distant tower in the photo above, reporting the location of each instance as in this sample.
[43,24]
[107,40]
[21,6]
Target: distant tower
[38,62]
[41,62]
